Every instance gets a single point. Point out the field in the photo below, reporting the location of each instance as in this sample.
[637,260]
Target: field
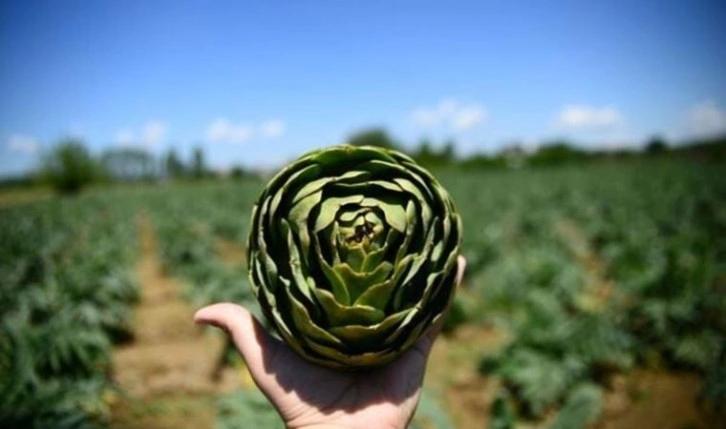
[595,296]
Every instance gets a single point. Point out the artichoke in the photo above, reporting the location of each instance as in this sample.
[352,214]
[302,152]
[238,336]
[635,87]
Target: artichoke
[353,254]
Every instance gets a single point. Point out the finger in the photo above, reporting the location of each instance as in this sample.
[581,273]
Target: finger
[461,267]
[248,335]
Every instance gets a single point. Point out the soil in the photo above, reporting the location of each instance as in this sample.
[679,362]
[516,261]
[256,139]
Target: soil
[452,372]
[599,290]
[232,253]
[19,196]
[169,374]
[651,399]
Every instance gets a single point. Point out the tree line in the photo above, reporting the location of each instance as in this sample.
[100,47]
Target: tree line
[547,154]
[69,165]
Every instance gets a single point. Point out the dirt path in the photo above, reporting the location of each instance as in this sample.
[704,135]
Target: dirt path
[19,196]
[231,253]
[641,399]
[452,371]
[651,399]
[168,371]
[599,290]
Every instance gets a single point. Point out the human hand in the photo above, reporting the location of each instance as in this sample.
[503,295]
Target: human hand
[311,396]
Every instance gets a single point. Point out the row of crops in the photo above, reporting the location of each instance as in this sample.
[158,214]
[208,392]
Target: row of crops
[66,298]
[594,273]
[588,272]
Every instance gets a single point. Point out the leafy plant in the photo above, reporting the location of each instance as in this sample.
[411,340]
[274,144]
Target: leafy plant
[353,254]
[582,407]
[69,167]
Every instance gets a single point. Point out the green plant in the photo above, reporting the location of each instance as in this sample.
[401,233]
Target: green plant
[65,297]
[69,167]
[429,412]
[353,254]
[582,407]
[247,408]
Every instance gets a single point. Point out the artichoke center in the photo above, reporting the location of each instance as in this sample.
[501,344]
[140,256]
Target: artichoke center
[361,233]
[363,230]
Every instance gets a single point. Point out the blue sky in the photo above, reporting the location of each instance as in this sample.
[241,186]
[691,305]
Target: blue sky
[258,83]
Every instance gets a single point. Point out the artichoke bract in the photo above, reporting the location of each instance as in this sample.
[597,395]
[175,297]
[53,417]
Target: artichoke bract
[353,254]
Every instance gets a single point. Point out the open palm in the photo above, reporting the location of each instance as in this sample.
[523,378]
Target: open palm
[308,395]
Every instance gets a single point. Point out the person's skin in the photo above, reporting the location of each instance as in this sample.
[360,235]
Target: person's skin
[310,396]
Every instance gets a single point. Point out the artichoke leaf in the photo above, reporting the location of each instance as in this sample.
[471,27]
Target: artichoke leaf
[358,283]
[370,336]
[318,184]
[341,315]
[423,203]
[329,210]
[338,359]
[336,282]
[296,264]
[422,257]
[372,259]
[378,295]
[304,323]
[395,213]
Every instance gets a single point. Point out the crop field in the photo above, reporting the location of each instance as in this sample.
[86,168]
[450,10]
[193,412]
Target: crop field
[595,296]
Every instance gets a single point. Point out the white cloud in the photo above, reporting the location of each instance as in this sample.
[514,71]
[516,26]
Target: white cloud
[222,130]
[707,119]
[77,131]
[468,117]
[153,134]
[450,113]
[150,136]
[272,128]
[219,130]
[23,144]
[585,116]
[124,137]
[424,117]
[448,107]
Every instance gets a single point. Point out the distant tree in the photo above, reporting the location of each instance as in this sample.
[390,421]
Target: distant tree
[372,137]
[712,149]
[129,163]
[656,146]
[557,153]
[482,161]
[199,168]
[173,166]
[21,181]
[69,167]
[238,172]
[429,156]
[425,149]
[512,156]
[448,153]
[424,154]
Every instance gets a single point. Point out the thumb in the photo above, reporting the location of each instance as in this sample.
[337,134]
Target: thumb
[248,335]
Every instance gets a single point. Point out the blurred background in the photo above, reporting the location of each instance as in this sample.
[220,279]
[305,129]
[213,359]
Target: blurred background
[583,142]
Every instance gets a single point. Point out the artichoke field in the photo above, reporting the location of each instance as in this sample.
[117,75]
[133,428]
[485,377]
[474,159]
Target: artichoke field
[353,254]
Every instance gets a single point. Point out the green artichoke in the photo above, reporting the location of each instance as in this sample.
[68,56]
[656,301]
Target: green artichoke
[353,254]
